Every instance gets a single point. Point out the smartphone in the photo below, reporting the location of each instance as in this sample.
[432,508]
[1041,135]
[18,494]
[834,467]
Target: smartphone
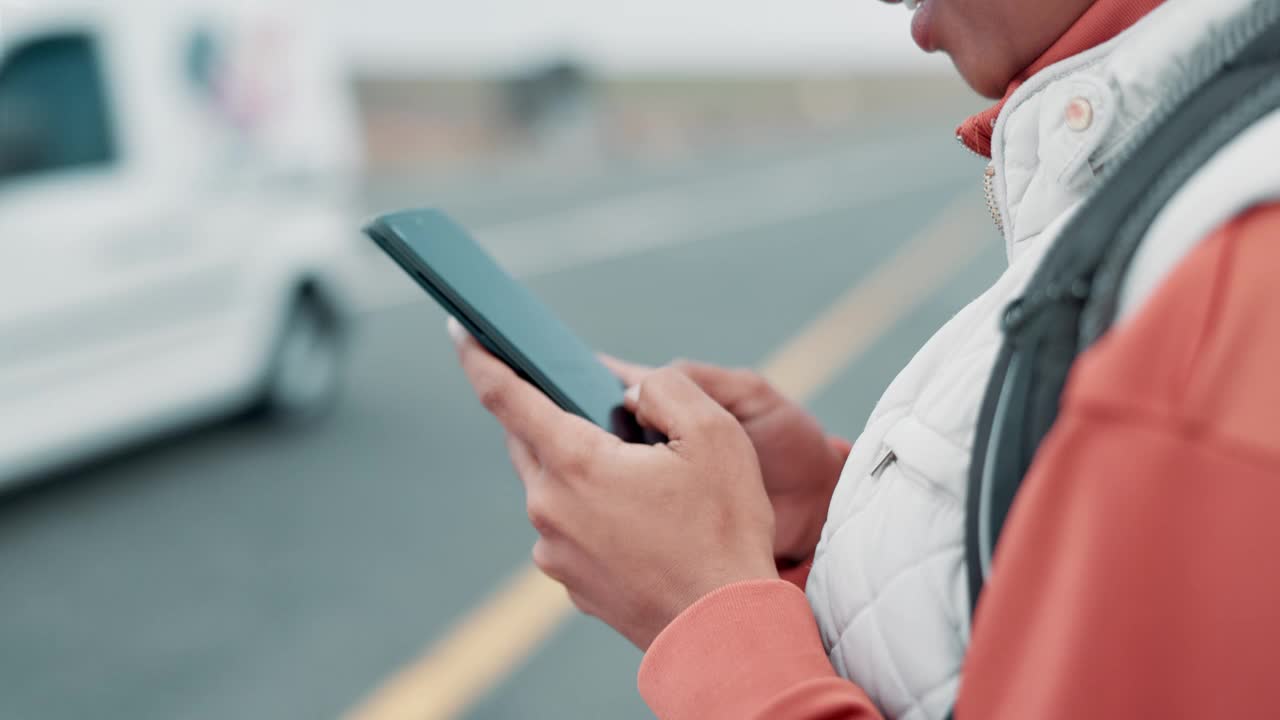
[505,317]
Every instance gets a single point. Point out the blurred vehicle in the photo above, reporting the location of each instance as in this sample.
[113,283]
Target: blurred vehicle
[178,188]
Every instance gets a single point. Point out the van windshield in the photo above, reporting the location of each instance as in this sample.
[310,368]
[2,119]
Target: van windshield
[53,108]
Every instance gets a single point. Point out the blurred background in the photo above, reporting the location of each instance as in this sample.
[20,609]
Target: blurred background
[241,476]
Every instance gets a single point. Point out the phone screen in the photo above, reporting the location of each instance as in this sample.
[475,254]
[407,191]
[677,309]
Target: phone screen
[505,316]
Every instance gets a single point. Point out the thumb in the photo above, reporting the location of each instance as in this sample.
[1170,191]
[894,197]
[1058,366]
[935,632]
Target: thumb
[743,393]
[672,403]
[629,373]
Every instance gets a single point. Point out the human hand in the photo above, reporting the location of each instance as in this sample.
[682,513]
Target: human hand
[636,533]
[800,464]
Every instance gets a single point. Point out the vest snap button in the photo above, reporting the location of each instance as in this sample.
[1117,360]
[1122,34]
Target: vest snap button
[1079,114]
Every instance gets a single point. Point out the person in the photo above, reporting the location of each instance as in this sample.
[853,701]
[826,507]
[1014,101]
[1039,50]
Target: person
[1133,578]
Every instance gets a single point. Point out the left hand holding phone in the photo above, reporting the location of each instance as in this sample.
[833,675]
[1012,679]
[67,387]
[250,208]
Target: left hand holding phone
[636,533]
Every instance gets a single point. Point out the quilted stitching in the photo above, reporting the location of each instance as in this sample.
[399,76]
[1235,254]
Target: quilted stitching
[889,599]
[888,580]
[879,649]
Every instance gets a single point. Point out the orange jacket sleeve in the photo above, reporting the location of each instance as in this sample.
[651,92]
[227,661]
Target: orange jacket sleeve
[1136,575]
[747,652]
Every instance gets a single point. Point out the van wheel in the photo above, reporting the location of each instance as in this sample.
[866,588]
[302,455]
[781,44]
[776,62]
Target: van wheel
[307,366]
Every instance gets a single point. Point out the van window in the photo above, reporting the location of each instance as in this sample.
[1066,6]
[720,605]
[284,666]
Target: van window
[53,108]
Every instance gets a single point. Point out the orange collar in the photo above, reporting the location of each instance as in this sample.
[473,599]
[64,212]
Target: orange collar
[1103,20]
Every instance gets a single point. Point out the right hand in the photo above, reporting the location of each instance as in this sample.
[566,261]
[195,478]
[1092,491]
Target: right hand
[635,533]
[800,464]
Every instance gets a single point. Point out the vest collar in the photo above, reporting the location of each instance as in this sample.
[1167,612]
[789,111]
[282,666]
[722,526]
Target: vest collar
[1043,164]
[1104,20]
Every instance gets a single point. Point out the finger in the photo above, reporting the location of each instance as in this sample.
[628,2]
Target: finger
[581,603]
[724,386]
[532,477]
[842,447]
[741,392]
[521,408]
[549,558]
[557,562]
[672,403]
[523,459]
[457,333]
[629,373]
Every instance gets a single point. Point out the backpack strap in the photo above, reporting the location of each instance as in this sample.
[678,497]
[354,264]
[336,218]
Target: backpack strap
[1073,297]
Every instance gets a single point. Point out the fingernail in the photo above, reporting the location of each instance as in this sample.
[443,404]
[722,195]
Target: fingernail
[456,331]
[632,395]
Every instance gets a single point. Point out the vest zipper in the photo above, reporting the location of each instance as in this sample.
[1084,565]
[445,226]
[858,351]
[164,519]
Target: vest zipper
[988,187]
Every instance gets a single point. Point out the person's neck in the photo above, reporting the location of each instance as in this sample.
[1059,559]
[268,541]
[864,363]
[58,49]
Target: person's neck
[1104,20]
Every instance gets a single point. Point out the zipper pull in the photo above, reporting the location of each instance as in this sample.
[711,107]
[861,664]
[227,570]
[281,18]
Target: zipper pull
[890,458]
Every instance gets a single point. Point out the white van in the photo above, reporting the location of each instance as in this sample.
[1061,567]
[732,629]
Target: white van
[178,199]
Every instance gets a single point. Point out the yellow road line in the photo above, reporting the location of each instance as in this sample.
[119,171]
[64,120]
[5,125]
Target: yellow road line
[488,644]
[811,359]
[476,655]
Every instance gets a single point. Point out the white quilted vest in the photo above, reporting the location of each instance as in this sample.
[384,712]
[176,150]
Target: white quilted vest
[888,587]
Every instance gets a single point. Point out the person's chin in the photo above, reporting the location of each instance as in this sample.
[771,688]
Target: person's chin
[980,75]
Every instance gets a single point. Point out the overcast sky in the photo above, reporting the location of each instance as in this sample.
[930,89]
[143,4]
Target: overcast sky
[626,35]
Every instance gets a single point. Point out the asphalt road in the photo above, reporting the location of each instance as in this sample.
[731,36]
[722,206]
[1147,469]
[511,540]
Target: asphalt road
[247,572]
